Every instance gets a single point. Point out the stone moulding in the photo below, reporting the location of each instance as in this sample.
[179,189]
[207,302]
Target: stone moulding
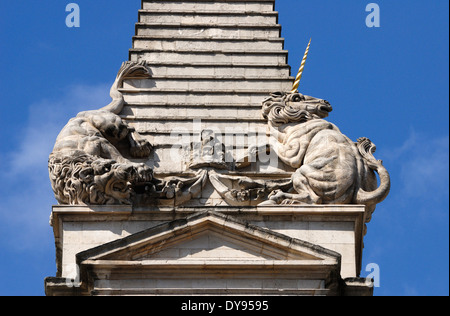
[173,191]
[241,191]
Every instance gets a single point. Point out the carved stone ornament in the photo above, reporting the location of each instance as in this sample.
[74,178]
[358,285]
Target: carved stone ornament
[172,191]
[86,166]
[330,168]
[244,191]
[208,152]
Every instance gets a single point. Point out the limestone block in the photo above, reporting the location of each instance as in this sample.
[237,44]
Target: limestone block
[169,160]
[193,112]
[234,142]
[172,96]
[208,83]
[210,17]
[208,30]
[182,44]
[238,6]
[182,126]
[224,71]
[271,58]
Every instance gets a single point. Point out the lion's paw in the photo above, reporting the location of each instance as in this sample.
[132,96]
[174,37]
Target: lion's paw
[139,147]
[143,173]
[278,196]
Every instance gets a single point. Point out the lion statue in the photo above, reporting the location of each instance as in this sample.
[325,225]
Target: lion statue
[86,166]
[330,168]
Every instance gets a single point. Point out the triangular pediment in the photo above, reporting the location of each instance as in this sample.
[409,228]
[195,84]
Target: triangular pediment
[210,245]
[208,236]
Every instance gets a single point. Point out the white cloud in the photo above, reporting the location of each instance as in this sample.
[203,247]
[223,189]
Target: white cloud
[425,166]
[46,119]
[420,165]
[419,169]
[27,196]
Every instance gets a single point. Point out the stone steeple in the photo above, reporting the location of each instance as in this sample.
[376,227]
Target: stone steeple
[207,174]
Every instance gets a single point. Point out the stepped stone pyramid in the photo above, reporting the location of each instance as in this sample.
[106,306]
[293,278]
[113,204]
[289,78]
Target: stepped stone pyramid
[214,61]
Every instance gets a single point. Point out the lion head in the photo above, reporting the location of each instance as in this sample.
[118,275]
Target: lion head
[283,108]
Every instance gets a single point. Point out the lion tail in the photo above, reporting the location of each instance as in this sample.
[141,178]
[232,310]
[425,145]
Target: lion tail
[367,149]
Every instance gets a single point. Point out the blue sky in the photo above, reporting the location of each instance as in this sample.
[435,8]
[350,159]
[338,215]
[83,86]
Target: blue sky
[388,83]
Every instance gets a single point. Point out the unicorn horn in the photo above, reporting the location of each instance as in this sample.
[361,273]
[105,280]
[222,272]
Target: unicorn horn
[300,71]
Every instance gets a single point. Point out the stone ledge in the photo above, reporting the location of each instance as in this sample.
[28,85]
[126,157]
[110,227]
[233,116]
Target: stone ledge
[208,30]
[195,106]
[190,16]
[214,51]
[213,38]
[213,43]
[210,12]
[216,1]
[211,82]
[357,287]
[208,25]
[217,65]
[226,2]
[210,292]
[170,212]
[230,57]
[213,78]
[199,91]
[142,118]
[207,5]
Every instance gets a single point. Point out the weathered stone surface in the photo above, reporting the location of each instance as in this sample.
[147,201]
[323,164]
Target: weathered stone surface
[331,169]
[283,196]
[238,240]
[86,165]
[338,228]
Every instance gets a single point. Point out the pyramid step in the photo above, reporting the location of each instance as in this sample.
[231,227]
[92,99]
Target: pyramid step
[208,83]
[272,58]
[212,17]
[225,70]
[206,30]
[189,119]
[183,138]
[176,112]
[163,105]
[189,124]
[212,43]
[189,98]
[224,5]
